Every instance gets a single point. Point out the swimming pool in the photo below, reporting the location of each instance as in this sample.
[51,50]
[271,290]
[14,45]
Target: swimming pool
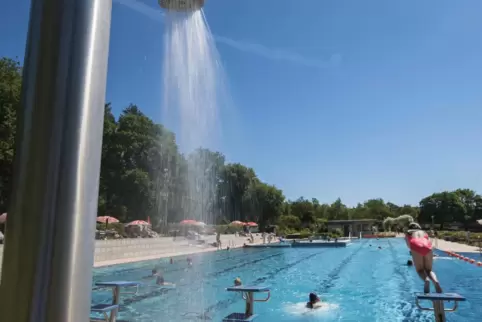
[359,283]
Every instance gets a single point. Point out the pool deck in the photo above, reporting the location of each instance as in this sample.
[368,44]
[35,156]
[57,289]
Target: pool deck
[180,247]
[454,247]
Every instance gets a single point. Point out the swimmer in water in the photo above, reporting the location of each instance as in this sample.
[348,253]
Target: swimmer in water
[157,275]
[409,262]
[314,301]
[189,261]
[422,254]
[237,282]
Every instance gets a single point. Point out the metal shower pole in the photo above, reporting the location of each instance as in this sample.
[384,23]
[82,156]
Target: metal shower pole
[49,242]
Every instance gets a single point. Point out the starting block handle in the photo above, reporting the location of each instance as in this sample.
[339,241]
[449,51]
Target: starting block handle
[135,293]
[245,297]
[423,308]
[266,299]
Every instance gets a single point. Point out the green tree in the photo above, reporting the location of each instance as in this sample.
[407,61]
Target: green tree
[10,88]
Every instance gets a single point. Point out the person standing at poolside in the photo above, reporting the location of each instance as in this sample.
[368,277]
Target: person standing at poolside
[218,240]
[422,254]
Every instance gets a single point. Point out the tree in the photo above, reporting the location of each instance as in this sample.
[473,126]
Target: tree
[236,179]
[264,203]
[10,87]
[337,211]
[143,174]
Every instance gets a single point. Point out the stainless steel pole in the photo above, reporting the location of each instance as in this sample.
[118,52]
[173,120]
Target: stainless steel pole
[49,242]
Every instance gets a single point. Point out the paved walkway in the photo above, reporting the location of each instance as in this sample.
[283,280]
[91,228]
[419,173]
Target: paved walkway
[176,248]
[181,247]
[454,247]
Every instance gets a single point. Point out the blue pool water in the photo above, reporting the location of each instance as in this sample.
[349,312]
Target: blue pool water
[359,283]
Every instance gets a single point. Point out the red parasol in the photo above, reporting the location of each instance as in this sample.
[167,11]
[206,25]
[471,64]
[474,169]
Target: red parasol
[107,219]
[137,223]
[188,222]
[3,218]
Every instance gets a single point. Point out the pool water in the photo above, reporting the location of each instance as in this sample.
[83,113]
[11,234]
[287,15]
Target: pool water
[359,283]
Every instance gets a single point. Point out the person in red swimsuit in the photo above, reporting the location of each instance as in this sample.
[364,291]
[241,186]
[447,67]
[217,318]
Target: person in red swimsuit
[422,254]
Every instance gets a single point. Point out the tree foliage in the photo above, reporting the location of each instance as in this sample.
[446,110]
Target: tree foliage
[143,174]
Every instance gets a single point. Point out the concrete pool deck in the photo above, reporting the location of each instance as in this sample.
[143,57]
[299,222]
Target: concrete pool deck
[167,247]
[454,247]
[121,251]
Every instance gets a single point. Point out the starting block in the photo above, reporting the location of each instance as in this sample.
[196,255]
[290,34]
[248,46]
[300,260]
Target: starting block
[248,296]
[438,300]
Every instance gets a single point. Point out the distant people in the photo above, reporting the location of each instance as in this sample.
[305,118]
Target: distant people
[314,301]
[171,261]
[409,262]
[189,261]
[422,254]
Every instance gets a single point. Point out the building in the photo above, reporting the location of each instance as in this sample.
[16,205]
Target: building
[356,227]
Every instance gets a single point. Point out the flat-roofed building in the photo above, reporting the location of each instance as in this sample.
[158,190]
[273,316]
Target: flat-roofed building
[355,226]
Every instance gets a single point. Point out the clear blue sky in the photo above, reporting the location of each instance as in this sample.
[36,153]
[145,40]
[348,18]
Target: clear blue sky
[393,109]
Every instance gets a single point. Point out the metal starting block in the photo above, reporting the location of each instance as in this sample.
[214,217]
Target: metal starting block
[248,296]
[438,300]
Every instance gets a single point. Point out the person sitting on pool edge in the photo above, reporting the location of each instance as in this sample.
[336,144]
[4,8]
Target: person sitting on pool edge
[422,254]
[314,301]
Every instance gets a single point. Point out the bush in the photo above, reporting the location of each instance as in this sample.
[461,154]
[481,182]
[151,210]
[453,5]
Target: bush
[335,233]
[475,239]
[118,227]
[386,234]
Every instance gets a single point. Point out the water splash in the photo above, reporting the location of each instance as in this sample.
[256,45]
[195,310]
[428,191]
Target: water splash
[194,90]
[193,79]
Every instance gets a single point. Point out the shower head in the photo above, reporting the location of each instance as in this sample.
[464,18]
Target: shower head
[181,5]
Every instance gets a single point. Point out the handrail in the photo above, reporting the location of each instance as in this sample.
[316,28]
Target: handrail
[135,293]
[266,299]
[453,309]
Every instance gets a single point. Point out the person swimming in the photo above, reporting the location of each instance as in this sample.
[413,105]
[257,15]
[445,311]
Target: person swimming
[189,261]
[422,254]
[237,281]
[155,273]
[314,301]
[409,262]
